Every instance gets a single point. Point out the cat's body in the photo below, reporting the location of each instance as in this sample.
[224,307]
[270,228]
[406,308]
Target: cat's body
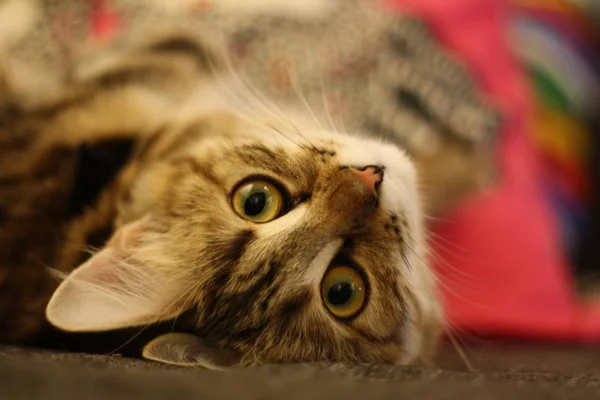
[143,158]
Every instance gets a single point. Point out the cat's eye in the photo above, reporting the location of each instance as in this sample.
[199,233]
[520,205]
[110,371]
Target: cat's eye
[258,201]
[343,291]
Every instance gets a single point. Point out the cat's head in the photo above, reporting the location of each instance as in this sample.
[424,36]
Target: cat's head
[275,242]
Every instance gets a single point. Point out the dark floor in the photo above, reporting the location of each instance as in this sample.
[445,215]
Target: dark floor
[503,372]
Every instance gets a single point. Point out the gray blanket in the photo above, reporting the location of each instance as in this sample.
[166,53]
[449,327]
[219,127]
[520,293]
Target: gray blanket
[507,372]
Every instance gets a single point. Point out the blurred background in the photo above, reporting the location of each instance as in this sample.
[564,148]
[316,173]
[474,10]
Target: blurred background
[557,45]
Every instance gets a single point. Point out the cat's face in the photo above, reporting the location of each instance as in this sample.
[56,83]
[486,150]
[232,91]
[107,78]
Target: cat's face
[277,244]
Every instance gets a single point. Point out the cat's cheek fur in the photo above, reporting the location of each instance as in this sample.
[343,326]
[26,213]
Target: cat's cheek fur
[110,291]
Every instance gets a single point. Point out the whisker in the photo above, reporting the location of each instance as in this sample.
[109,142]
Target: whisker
[300,95]
[237,96]
[443,284]
[406,261]
[157,320]
[302,146]
[254,96]
[55,273]
[326,106]
[461,332]
[430,217]
[460,351]
[255,93]
[441,261]
[302,98]
[439,238]
[131,339]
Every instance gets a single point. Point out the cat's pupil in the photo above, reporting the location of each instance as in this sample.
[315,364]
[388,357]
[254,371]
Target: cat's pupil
[340,293]
[255,204]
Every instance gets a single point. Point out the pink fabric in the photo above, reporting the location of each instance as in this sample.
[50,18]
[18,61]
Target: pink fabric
[105,21]
[500,259]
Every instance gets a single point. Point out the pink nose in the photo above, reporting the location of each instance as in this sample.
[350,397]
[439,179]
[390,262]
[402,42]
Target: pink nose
[371,177]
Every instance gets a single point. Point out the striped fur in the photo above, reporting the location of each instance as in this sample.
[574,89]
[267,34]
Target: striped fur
[158,117]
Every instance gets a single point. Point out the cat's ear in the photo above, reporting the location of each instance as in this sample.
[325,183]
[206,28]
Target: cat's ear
[187,350]
[110,290]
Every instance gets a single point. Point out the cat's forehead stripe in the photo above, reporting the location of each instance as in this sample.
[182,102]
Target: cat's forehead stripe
[184,46]
[258,156]
[202,169]
[179,139]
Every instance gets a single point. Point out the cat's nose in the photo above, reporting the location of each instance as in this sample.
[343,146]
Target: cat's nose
[371,177]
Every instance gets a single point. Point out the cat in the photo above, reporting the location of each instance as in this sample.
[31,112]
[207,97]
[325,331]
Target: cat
[161,188]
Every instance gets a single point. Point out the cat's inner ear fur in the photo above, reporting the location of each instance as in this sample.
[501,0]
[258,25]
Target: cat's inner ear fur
[188,350]
[110,290]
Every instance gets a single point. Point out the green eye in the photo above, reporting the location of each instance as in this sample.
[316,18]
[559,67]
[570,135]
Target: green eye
[344,291]
[257,201]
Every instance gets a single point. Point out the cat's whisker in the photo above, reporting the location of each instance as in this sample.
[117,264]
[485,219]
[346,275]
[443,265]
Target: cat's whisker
[243,85]
[174,323]
[246,108]
[256,97]
[253,92]
[454,283]
[469,284]
[454,293]
[442,262]
[444,283]
[236,96]
[274,129]
[459,277]
[261,123]
[302,98]
[438,258]
[91,250]
[148,325]
[461,333]
[459,349]
[250,119]
[457,334]
[344,127]
[326,105]
[453,335]
[444,247]
[128,341]
[449,329]
[55,273]
[438,219]
[406,261]
[297,130]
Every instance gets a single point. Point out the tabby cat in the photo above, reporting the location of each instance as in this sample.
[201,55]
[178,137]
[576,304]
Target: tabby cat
[161,188]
